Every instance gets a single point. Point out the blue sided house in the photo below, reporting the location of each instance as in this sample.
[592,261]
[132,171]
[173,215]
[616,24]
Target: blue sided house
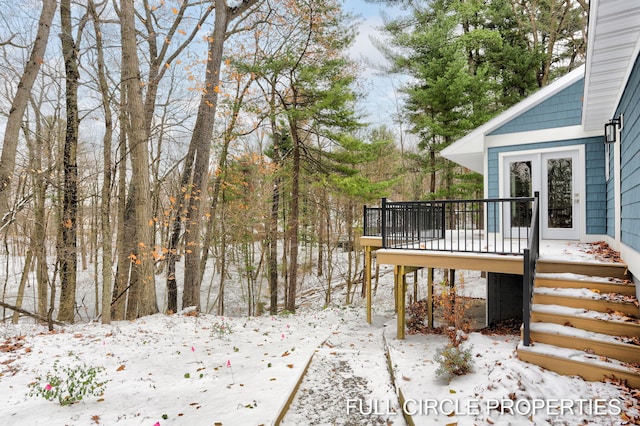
[575,143]
[554,141]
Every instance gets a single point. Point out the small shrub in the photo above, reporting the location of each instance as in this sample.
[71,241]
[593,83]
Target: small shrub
[68,384]
[454,313]
[453,361]
[221,329]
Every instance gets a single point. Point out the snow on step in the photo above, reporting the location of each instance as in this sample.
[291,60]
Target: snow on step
[585,293]
[571,280]
[619,347]
[563,330]
[577,277]
[582,313]
[552,351]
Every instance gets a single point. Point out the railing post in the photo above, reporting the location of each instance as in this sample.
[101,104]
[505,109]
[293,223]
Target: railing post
[526,298]
[443,218]
[365,222]
[383,226]
[530,257]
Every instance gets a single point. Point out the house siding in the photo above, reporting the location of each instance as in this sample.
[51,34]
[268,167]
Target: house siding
[596,197]
[611,219]
[630,161]
[560,110]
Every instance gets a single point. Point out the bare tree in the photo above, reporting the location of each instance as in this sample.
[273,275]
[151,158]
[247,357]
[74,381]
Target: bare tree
[201,146]
[67,247]
[145,303]
[20,101]
[105,206]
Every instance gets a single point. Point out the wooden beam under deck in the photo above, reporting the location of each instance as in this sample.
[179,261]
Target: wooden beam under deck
[488,262]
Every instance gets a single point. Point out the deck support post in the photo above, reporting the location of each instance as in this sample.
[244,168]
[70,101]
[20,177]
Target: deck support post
[430,297]
[367,280]
[415,286]
[395,289]
[401,289]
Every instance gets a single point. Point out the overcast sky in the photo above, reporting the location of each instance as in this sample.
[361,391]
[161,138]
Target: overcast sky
[381,101]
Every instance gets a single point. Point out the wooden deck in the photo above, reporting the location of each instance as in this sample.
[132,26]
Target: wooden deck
[407,260]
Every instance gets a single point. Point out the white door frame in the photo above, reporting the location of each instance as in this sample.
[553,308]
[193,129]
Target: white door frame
[538,183]
[569,233]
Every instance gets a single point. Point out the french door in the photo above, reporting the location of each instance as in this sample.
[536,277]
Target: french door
[556,175]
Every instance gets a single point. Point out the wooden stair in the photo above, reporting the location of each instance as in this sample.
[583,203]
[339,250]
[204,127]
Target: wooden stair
[585,321]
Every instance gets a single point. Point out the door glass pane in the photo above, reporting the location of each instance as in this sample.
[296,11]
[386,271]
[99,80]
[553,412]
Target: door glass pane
[559,190]
[520,179]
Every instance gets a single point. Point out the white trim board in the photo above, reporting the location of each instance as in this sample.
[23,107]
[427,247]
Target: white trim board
[540,136]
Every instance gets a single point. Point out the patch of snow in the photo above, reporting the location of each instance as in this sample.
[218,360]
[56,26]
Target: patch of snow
[580,312]
[575,354]
[578,277]
[189,370]
[578,293]
[562,330]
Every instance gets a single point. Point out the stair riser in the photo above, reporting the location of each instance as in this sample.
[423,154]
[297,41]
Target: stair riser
[621,352]
[602,287]
[568,367]
[591,304]
[594,325]
[594,270]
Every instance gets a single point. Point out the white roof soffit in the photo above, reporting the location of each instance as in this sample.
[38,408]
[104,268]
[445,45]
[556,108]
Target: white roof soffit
[468,151]
[614,43]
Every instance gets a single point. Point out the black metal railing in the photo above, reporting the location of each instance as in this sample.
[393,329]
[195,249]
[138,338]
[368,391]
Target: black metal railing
[411,224]
[531,254]
[499,225]
[372,221]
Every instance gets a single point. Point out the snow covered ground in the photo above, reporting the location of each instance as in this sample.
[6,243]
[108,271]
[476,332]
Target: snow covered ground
[193,370]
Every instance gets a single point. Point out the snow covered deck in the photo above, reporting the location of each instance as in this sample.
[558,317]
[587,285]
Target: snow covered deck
[407,260]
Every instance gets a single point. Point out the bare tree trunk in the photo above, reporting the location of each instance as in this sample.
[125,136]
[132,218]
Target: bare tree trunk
[30,314]
[223,269]
[105,194]
[350,268]
[330,249]
[140,164]
[273,228]
[294,220]
[124,233]
[20,101]
[36,148]
[202,133]
[201,139]
[69,220]
[21,286]
[324,238]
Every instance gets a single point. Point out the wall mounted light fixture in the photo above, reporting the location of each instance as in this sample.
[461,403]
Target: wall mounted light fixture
[611,129]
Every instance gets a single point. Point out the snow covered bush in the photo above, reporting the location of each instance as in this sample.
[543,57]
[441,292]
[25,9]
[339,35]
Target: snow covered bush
[68,384]
[453,361]
[221,329]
